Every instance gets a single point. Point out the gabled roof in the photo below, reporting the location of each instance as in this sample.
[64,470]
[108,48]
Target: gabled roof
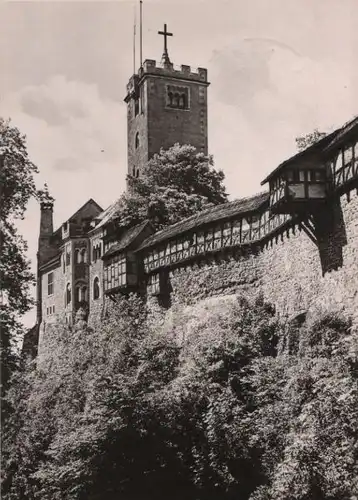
[53,261]
[302,155]
[106,215]
[344,133]
[326,143]
[218,213]
[89,202]
[128,237]
[73,216]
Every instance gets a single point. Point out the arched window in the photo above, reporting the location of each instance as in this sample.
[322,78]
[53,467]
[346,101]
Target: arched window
[84,294]
[68,294]
[77,256]
[83,255]
[78,294]
[137,173]
[96,288]
[137,140]
[170,98]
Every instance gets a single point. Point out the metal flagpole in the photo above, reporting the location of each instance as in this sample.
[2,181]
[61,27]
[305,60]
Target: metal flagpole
[134,34]
[141,32]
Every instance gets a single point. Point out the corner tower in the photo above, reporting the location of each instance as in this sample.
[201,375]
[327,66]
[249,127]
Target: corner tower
[165,105]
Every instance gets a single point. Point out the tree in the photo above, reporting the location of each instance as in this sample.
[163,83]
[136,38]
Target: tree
[175,184]
[17,185]
[307,140]
[217,400]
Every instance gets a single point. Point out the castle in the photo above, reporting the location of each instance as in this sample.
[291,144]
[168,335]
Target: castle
[297,242]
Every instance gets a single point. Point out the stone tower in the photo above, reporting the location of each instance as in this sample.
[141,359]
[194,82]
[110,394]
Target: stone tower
[165,105]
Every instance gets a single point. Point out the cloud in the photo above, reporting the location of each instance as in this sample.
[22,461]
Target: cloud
[264,94]
[68,164]
[48,103]
[69,120]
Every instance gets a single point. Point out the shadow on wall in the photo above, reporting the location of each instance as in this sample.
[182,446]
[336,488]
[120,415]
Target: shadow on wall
[331,236]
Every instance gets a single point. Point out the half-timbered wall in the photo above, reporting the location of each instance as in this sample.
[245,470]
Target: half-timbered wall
[115,272]
[344,165]
[220,235]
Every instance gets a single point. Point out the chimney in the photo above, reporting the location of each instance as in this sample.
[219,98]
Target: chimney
[46,230]
[44,249]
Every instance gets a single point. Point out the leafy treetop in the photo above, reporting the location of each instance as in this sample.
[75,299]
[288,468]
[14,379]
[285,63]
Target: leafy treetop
[175,184]
[307,140]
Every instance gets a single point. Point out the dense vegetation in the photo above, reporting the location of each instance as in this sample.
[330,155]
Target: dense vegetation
[17,187]
[219,401]
[176,183]
[222,400]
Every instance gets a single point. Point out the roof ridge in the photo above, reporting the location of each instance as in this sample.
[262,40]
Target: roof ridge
[209,209]
[202,218]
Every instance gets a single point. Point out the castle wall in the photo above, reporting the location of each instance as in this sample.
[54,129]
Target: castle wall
[53,305]
[292,274]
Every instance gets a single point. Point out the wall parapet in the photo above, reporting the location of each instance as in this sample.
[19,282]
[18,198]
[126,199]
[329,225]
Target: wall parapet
[152,67]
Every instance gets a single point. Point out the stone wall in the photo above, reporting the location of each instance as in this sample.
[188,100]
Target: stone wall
[56,300]
[294,274]
[167,126]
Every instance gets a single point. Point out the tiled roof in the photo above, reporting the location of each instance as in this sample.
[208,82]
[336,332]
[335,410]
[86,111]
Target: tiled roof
[127,238]
[343,132]
[106,215]
[217,213]
[53,260]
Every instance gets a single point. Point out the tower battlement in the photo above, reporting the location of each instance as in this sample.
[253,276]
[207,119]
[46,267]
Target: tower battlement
[152,67]
[155,68]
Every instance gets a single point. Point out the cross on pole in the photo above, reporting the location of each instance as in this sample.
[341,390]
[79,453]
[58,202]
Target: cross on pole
[165,33]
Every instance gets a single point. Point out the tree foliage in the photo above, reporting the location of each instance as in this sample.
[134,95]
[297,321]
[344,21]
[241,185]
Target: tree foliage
[17,185]
[176,183]
[308,140]
[218,402]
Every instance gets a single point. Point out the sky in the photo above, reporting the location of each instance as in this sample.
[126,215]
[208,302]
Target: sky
[278,69]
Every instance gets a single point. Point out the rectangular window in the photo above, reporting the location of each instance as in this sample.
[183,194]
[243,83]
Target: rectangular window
[348,155]
[173,247]
[355,150]
[50,284]
[339,161]
[68,257]
[295,175]
[289,175]
[320,175]
[154,284]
